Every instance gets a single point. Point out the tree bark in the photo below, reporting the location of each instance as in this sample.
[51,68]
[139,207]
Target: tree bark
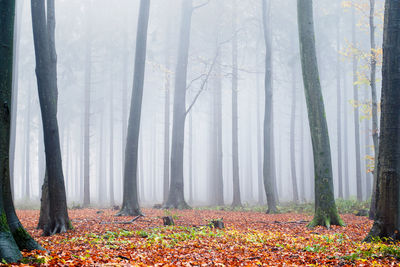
[268,167]
[325,208]
[387,223]
[339,110]
[130,204]
[112,180]
[46,60]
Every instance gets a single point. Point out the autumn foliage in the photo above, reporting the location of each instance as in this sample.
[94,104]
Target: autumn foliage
[249,239]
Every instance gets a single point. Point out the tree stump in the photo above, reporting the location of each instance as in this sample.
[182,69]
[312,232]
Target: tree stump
[218,224]
[168,221]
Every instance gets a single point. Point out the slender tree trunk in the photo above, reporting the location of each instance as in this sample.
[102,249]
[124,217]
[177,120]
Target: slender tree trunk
[176,198]
[346,140]
[293,138]
[369,177]
[46,72]
[130,204]
[167,103]
[112,180]
[87,115]
[325,208]
[303,197]
[235,139]
[268,167]
[260,178]
[124,101]
[375,129]
[27,194]
[339,111]
[387,223]
[356,114]
[102,194]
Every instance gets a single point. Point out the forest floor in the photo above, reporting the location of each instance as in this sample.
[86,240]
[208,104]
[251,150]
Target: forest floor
[249,239]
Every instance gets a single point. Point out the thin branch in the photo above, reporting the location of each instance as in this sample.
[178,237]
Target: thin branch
[202,85]
[194,80]
[128,222]
[201,5]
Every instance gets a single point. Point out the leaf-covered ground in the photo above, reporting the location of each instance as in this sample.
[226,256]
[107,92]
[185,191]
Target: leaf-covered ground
[249,239]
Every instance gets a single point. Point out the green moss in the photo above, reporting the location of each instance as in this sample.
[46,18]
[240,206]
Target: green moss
[3,223]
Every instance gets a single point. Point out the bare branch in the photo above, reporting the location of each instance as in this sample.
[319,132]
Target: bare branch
[201,5]
[194,80]
[203,85]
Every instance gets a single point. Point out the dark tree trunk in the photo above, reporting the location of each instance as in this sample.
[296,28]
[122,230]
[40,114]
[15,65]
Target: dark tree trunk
[268,167]
[375,129]
[13,235]
[356,114]
[176,198]
[387,223]
[235,139]
[130,204]
[325,208]
[46,60]
[293,139]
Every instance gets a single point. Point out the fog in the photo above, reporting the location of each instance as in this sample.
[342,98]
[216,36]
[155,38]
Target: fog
[95,42]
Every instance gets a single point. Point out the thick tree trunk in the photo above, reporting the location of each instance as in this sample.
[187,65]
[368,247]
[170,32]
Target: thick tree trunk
[176,198]
[293,139]
[325,208]
[130,203]
[375,129]
[387,223]
[356,114]
[235,139]
[268,166]
[13,235]
[46,60]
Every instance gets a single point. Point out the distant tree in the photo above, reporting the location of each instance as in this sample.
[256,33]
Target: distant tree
[387,224]
[268,170]
[235,138]
[130,204]
[176,198]
[46,72]
[13,235]
[325,208]
[293,137]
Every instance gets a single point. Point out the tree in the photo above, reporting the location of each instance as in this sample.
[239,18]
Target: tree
[46,73]
[13,235]
[293,138]
[325,208]
[130,204]
[268,171]
[375,130]
[235,142]
[387,224]
[356,113]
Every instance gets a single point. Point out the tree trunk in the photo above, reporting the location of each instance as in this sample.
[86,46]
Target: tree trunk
[235,142]
[339,110]
[27,190]
[325,208]
[46,60]
[261,191]
[112,180]
[268,168]
[13,235]
[87,117]
[176,198]
[346,140]
[293,139]
[387,223]
[191,182]
[130,204]
[375,129]
[356,114]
